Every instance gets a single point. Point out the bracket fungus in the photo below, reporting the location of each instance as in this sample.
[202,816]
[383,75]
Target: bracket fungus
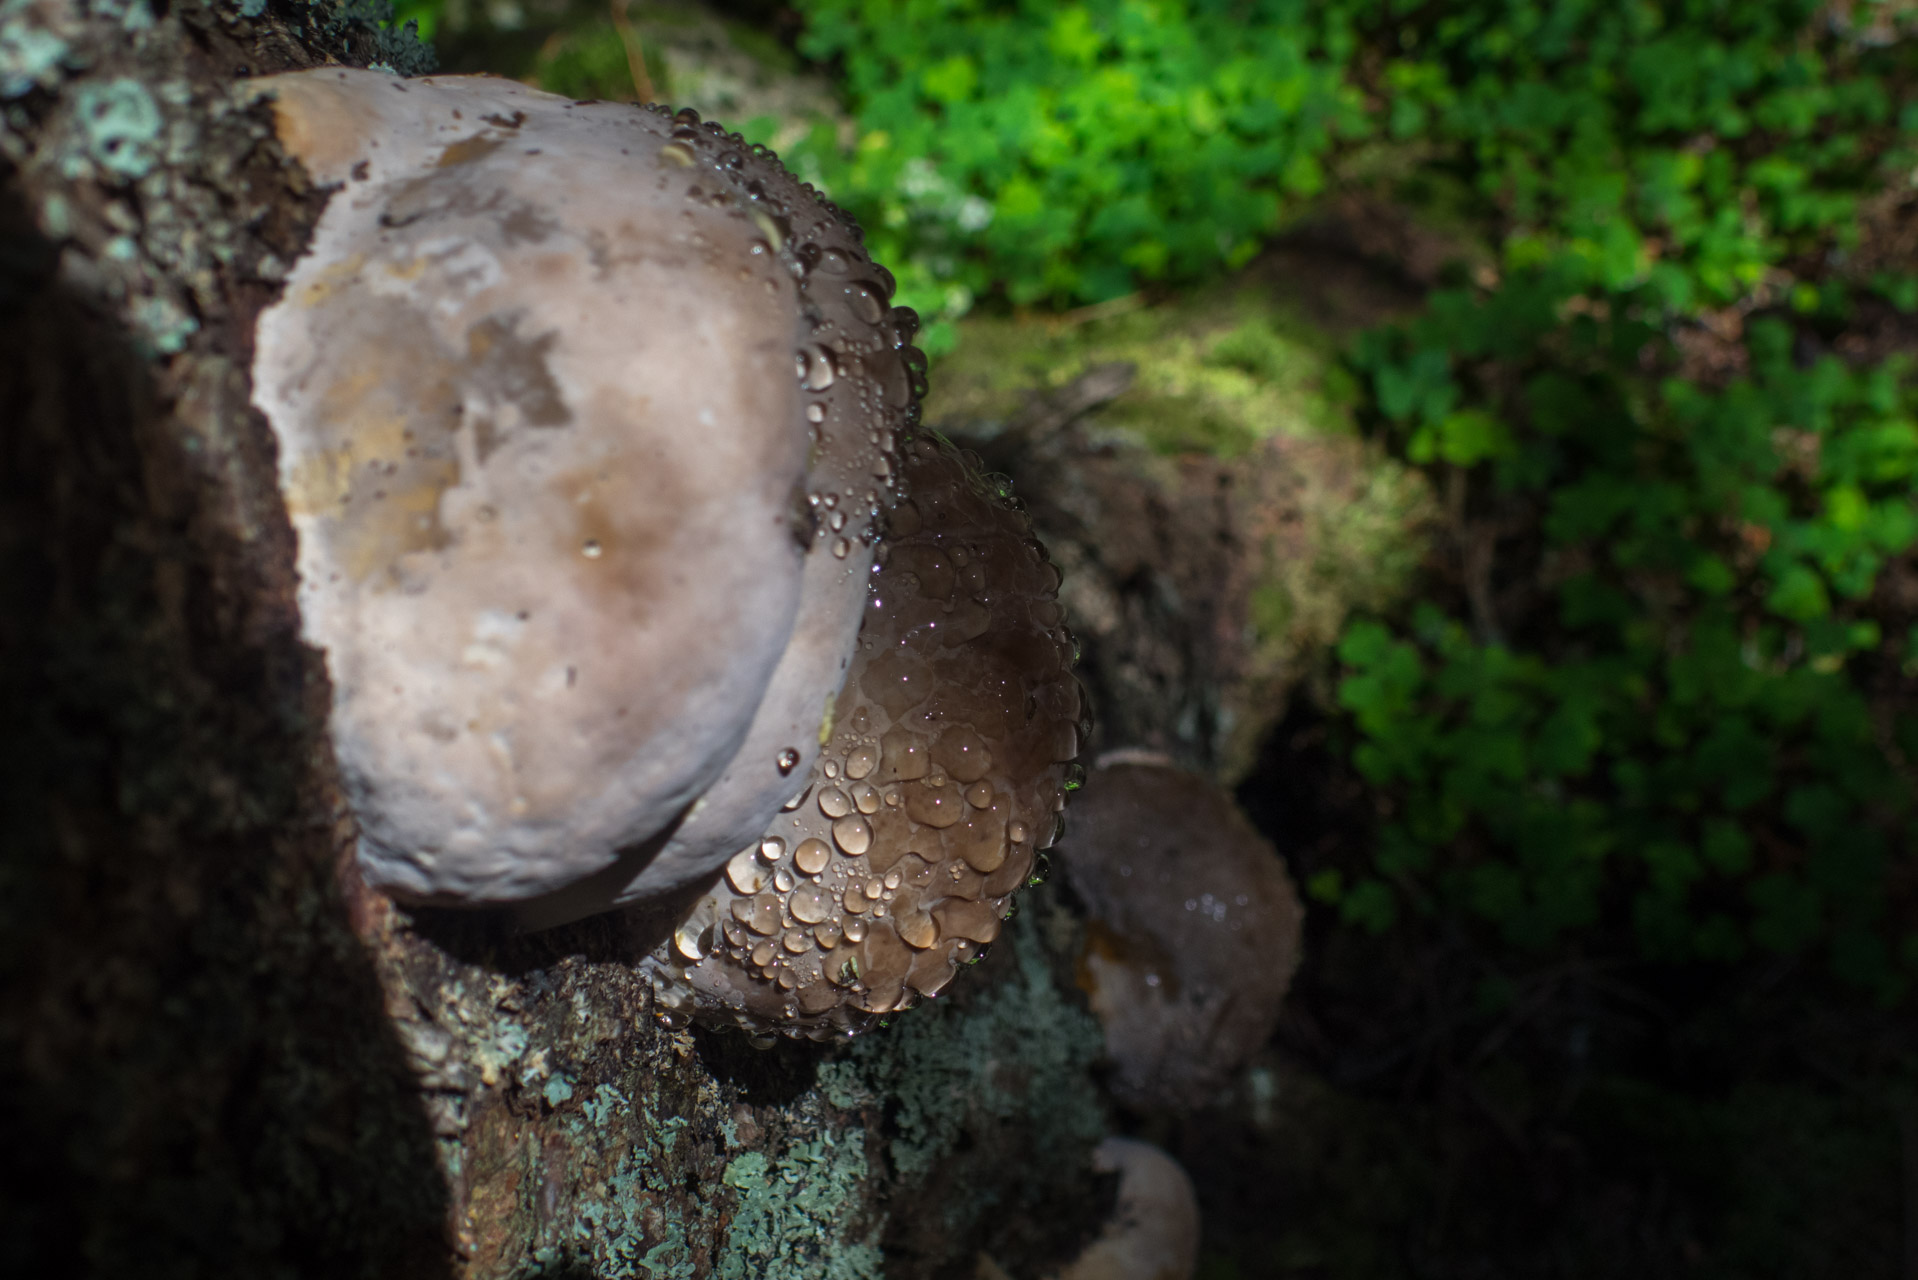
[1193,930]
[948,754]
[593,426]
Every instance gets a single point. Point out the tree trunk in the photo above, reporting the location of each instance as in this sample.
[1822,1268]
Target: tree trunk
[221,1053]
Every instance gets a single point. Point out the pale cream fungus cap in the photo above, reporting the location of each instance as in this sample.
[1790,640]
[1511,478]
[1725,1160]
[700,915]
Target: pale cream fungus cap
[585,416]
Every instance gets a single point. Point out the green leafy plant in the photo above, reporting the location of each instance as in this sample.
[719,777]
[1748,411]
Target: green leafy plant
[1069,153]
[1687,736]
[1682,736]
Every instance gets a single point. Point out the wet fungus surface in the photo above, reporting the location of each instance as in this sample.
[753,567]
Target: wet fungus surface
[631,566]
[948,755]
[1193,928]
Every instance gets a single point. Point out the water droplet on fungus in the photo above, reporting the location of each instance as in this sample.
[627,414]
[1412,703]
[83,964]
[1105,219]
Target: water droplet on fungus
[854,835]
[745,874]
[812,856]
[816,368]
[810,904]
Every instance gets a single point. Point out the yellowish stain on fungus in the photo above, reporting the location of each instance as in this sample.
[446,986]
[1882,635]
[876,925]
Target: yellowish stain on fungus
[379,466]
[467,150]
[407,270]
[336,274]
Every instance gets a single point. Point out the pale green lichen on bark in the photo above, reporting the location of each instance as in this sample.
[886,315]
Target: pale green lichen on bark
[30,54]
[793,1218]
[121,124]
[938,1062]
[799,1184]
[612,1227]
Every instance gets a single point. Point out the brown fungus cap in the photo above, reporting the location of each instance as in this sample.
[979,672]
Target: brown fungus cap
[945,771]
[560,392]
[1193,931]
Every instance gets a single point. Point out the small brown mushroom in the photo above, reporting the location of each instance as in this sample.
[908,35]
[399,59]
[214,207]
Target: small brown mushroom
[1193,931]
[1153,1232]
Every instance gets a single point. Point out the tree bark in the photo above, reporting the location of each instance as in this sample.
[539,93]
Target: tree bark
[220,1053]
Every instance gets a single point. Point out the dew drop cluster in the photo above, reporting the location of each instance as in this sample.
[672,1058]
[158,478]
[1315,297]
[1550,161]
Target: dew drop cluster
[946,772]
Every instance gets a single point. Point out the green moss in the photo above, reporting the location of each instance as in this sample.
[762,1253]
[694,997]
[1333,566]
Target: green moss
[1360,542]
[1332,523]
[592,63]
[1215,374]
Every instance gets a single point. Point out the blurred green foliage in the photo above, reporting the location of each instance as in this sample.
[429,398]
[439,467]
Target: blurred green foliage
[1685,743]
[1068,152]
[1072,152]
[1689,739]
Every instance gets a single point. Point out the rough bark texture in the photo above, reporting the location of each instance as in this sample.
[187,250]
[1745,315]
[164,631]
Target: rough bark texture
[220,1054]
